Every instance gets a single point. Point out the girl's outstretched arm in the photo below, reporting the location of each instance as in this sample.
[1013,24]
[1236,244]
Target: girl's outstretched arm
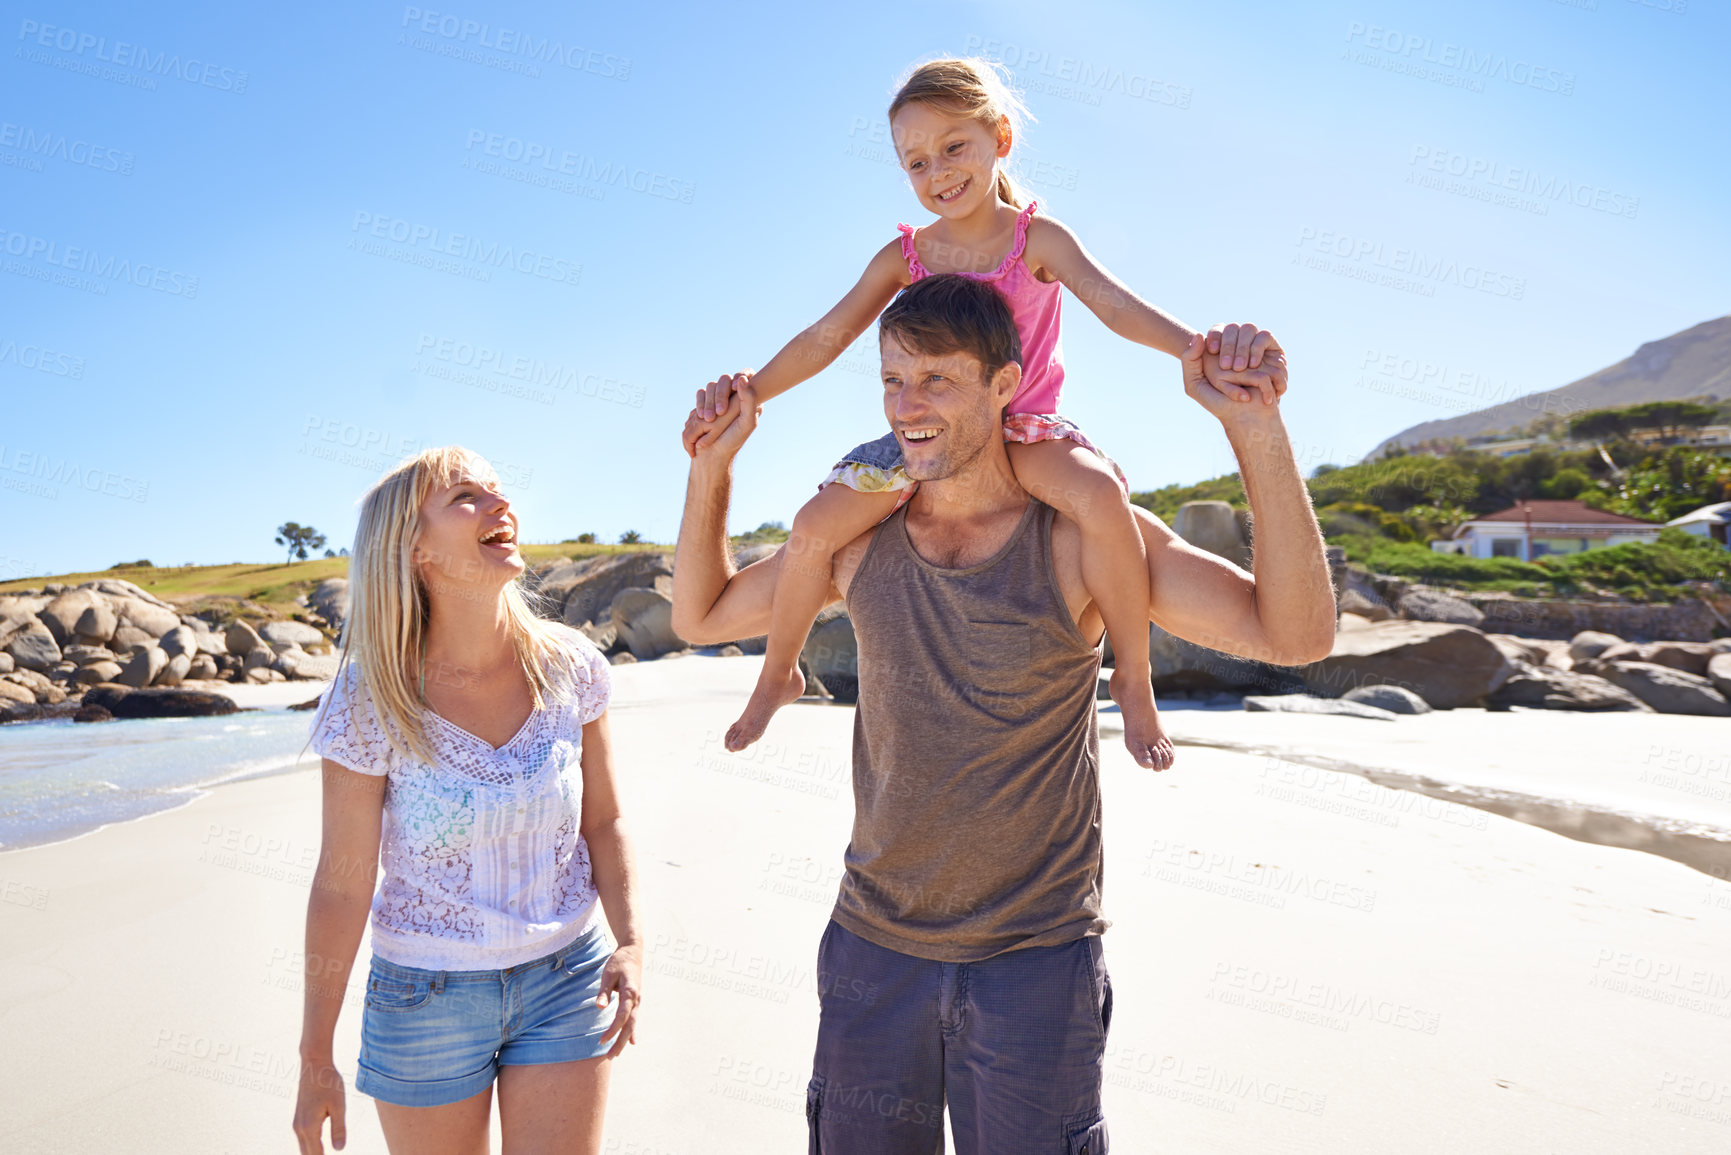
[812,351]
[1052,246]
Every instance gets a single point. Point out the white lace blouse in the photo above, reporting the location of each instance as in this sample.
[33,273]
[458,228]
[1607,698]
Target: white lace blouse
[484,864]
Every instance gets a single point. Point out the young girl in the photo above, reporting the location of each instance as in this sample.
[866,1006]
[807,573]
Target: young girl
[954,123]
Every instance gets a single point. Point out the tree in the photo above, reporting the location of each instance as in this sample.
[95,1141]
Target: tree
[1599,425]
[585,539]
[1670,418]
[298,539]
[630,537]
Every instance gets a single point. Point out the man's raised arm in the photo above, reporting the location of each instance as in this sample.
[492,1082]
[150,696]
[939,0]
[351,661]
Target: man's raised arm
[711,602]
[1284,612]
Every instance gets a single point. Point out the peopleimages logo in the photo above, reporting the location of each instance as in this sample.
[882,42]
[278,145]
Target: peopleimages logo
[121,54]
[514,42]
[49,146]
[1410,53]
[92,263]
[432,240]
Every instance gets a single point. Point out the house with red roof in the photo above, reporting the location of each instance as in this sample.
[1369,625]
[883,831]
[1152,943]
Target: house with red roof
[1532,529]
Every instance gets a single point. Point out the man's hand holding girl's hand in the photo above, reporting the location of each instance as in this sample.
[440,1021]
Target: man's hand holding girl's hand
[724,428]
[1201,367]
[1244,355]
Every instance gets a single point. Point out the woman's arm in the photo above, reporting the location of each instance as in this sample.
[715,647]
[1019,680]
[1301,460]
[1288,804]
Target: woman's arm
[342,894]
[615,872]
[813,349]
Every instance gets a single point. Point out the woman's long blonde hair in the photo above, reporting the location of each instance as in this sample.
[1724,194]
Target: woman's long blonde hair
[972,87]
[385,630]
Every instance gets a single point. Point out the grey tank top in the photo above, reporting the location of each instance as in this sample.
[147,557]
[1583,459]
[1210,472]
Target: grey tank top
[976,756]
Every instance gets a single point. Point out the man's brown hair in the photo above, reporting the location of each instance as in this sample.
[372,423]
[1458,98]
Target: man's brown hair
[950,313]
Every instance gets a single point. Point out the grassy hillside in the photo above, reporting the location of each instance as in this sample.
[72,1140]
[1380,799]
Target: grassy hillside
[272,585]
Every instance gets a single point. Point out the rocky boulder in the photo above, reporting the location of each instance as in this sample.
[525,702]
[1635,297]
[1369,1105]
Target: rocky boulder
[1180,665]
[241,639]
[1550,688]
[330,599]
[1666,690]
[33,647]
[45,691]
[175,672]
[1690,657]
[292,633]
[1394,699]
[1355,601]
[581,590]
[141,669]
[1213,526]
[1719,673]
[123,702]
[644,619]
[1427,605]
[1446,665]
[1590,644]
[128,638]
[79,615]
[203,668]
[831,655]
[153,618]
[182,639]
[98,672]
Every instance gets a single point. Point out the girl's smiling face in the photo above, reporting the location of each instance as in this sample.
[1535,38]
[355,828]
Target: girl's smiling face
[951,161]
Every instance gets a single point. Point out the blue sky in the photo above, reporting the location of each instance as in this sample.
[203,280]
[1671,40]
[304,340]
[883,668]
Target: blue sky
[250,258]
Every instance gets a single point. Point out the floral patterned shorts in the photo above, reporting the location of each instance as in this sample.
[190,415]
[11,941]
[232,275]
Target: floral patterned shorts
[876,466]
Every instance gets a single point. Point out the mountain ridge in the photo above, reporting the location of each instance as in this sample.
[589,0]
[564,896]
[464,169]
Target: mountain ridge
[1692,363]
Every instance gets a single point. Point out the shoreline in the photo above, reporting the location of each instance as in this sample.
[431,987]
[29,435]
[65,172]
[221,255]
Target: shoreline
[1268,954]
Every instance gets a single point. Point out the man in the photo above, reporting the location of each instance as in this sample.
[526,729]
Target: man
[971,900]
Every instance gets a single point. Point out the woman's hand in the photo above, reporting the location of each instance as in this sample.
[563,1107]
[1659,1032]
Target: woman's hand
[321,1094]
[622,984]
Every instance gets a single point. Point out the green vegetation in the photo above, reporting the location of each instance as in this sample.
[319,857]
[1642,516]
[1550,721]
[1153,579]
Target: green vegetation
[1666,418]
[769,533]
[298,539]
[1384,513]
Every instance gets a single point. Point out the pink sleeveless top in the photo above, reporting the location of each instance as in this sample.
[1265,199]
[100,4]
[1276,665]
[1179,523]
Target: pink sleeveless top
[1035,306]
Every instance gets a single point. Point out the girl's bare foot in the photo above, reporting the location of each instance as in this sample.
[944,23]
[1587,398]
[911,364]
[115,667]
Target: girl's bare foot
[1143,734]
[774,690]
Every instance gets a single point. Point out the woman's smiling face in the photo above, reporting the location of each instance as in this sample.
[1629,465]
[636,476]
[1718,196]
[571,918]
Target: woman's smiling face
[468,537]
[951,161]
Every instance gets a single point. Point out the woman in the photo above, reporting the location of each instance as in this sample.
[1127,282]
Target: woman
[467,739]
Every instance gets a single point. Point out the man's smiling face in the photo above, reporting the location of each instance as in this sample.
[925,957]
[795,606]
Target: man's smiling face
[940,407]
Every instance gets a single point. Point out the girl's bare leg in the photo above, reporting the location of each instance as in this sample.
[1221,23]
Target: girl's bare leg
[829,521]
[1080,485]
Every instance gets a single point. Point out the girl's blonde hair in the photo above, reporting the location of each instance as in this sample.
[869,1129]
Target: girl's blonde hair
[972,87]
[386,626]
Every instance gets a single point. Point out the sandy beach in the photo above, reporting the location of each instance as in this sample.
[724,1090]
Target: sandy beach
[1302,960]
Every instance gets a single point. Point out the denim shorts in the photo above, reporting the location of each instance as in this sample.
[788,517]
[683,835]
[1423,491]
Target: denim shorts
[1012,1046]
[434,1037]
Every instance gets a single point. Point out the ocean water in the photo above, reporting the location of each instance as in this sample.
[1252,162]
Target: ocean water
[60,778]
